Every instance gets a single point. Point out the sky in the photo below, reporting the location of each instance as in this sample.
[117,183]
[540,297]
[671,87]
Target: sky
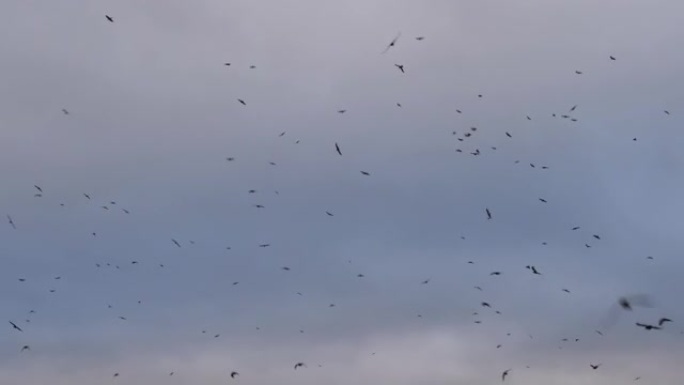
[368,279]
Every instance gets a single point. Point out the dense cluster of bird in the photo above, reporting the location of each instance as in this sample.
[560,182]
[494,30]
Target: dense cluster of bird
[626,303]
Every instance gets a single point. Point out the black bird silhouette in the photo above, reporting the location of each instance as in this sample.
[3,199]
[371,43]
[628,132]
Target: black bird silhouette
[11,222]
[666,112]
[25,347]
[663,320]
[299,365]
[14,326]
[595,366]
[365,173]
[504,374]
[597,237]
[341,111]
[575,228]
[542,200]
[495,273]
[234,374]
[392,43]
[508,135]
[612,57]
[226,64]
[401,67]
[265,245]
[111,19]
[242,102]
[419,38]
[485,304]
[337,148]
[329,214]
[426,281]
[489,214]
[578,72]
[65,111]
[534,269]
[38,188]
[175,242]
[648,327]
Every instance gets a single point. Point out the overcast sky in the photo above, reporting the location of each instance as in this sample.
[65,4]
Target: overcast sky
[153,116]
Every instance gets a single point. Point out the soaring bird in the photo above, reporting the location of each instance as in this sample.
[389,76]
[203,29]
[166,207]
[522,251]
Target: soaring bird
[175,242]
[595,366]
[234,374]
[419,38]
[337,148]
[365,173]
[341,111]
[111,19]
[242,102]
[504,374]
[489,214]
[299,365]
[14,326]
[648,327]
[11,222]
[612,57]
[578,72]
[392,43]
[65,111]
[401,67]
[25,347]
[330,214]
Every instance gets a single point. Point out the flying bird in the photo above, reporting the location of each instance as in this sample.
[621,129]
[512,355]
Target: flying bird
[11,222]
[337,148]
[175,242]
[663,320]
[65,111]
[392,43]
[504,374]
[648,327]
[242,102]
[612,57]
[365,173]
[14,326]
[111,19]
[299,365]
[489,214]
[401,67]
[595,366]
[419,38]
[234,374]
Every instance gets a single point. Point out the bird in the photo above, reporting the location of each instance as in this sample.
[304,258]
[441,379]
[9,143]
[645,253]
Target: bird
[111,19]
[401,67]
[534,269]
[175,242]
[234,374]
[612,57]
[578,72]
[419,38]
[575,228]
[299,365]
[504,374]
[543,200]
[14,326]
[648,327]
[666,112]
[425,282]
[65,111]
[495,273]
[392,43]
[242,102]
[11,222]
[595,366]
[663,320]
[38,188]
[597,237]
[25,347]
[337,148]
[489,214]
[508,134]
[226,64]
[265,245]
[341,111]
[485,304]
[329,214]
[365,173]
